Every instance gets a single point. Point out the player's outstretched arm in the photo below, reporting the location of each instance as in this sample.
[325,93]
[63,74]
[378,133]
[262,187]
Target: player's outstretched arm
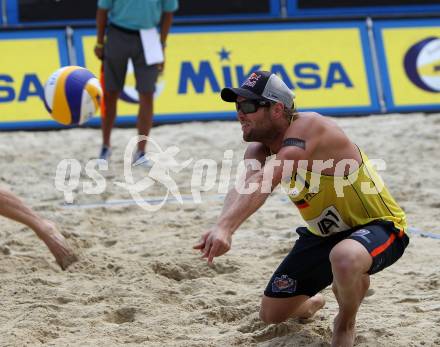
[217,240]
[254,159]
[242,203]
[12,207]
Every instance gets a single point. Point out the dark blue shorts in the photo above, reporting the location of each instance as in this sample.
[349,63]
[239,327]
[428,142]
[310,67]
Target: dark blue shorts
[307,270]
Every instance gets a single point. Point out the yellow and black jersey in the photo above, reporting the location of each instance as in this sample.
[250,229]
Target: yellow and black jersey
[330,204]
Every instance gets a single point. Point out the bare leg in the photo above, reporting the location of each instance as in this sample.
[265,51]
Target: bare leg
[350,263]
[310,306]
[110,99]
[12,207]
[277,310]
[145,117]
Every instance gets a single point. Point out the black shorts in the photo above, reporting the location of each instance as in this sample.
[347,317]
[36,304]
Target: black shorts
[307,270]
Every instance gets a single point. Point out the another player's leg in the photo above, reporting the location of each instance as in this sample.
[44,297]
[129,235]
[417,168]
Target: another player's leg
[145,117]
[116,54]
[110,99]
[146,78]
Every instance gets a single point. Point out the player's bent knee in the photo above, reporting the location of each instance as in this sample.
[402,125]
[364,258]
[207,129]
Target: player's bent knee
[347,261]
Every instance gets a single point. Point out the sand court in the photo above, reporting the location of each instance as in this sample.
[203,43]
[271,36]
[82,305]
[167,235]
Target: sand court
[139,283]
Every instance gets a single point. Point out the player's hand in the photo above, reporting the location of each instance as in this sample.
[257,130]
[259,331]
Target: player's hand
[99,52]
[161,66]
[214,243]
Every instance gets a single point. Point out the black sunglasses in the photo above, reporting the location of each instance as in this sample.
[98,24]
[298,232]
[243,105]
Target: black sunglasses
[251,106]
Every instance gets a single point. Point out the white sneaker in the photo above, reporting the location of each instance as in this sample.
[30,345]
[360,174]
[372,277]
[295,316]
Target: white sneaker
[140,159]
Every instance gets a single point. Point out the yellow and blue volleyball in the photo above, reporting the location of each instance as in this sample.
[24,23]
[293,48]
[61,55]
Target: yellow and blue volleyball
[72,95]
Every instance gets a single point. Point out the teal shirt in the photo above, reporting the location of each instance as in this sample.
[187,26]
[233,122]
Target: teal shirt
[137,14]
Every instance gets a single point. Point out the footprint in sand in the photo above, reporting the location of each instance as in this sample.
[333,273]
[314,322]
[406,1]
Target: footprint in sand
[5,250]
[121,315]
[186,270]
[227,313]
[275,330]
[407,299]
[430,283]
[379,332]
[64,300]
[109,243]
[225,268]
[253,324]
[38,280]
[260,331]
[92,299]
[177,272]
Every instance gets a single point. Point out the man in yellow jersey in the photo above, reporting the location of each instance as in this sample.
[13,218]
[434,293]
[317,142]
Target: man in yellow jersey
[354,226]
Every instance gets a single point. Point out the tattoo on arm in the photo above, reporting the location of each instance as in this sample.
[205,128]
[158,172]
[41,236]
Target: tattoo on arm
[292,141]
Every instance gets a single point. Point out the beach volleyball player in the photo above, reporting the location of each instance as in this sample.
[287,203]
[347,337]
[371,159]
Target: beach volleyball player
[354,226]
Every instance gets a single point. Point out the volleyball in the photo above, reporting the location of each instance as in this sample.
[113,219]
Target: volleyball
[72,95]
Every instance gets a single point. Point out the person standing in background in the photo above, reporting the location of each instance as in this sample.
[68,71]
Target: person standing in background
[131,34]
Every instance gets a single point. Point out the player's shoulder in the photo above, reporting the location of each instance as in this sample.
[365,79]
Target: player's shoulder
[305,135]
[321,134]
[307,125]
[311,118]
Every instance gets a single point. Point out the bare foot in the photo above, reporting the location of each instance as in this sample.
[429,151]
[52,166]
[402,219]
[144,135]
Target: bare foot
[343,333]
[57,245]
[311,306]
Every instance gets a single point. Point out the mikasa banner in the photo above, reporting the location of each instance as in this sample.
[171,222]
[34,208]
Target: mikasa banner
[328,66]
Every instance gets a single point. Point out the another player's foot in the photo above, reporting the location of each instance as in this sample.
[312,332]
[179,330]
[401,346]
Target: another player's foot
[343,332]
[105,153]
[58,245]
[140,159]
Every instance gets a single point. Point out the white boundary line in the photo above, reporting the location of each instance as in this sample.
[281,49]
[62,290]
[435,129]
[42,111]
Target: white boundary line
[424,233]
[154,200]
[189,198]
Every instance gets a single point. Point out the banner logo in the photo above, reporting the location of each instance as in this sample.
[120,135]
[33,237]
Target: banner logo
[422,64]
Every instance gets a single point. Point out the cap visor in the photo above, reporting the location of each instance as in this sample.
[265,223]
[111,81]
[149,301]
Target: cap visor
[231,94]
